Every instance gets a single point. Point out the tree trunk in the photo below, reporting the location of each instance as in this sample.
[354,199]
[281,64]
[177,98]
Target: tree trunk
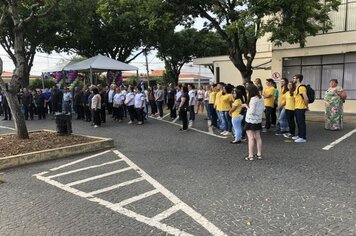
[11,90]
[17,115]
[245,71]
[21,75]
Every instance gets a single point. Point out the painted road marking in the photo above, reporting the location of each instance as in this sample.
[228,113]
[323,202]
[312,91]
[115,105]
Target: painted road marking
[116,186]
[5,127]
[85,168]
[80,160]
[137,198]
[333,144]
[98,176]
[155,221]
[175,120]
[184,207]
[167,213]
[197,130]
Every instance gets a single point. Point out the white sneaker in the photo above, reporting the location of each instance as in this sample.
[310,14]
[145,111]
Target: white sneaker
[287,135]
[227,133]
[300,140]
[222,133]
[295,137]
[96,126]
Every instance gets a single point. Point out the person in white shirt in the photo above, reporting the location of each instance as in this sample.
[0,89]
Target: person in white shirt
[67,101]
[192,102]
[200,99]
[111,94]
[253,126]
[118,101]
[95,107]
[140,101]
[130,104]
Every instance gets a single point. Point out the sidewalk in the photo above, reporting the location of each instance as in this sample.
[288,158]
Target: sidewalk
[319,117]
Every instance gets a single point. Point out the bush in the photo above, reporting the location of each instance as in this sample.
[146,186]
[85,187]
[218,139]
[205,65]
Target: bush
[37,83]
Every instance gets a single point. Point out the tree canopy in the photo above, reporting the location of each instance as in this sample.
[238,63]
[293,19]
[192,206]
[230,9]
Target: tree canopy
[242,22]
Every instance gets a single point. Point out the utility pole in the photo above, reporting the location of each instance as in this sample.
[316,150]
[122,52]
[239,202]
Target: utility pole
[147,70]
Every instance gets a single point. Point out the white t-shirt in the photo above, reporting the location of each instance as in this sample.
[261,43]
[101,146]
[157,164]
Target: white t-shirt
[139,97]
[178,95]
[130,99]
[206,95]
[67,97]
[200,94]
[110,96]
[118,98]
[191,94]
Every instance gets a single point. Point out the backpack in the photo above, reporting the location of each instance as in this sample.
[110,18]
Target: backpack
[310,93]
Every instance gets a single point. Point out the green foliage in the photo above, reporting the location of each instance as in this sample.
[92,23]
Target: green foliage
[37,83]
[242,22]
[178,48]
[132,80]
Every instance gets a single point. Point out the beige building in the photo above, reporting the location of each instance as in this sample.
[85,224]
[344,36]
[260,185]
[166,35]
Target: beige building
[326,56]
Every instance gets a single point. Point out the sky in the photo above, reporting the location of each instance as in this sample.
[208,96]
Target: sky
[43,61]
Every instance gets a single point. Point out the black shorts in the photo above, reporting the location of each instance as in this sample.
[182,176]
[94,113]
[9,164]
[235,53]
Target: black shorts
[249,126]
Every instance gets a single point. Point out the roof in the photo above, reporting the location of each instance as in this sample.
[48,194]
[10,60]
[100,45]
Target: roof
[6,74]
[100,63]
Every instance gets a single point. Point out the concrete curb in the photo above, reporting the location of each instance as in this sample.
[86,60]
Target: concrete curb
[51,154]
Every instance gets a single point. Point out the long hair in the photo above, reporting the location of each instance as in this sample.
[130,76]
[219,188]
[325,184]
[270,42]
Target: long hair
[285,86]
[241,89]
[291,91]
[252,92]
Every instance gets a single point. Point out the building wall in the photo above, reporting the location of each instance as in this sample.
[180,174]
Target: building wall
[340,43]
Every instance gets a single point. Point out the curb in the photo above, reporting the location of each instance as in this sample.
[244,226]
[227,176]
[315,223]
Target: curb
[52,154]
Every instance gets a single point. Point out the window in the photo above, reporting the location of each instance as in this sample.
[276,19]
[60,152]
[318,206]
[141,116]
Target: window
[345,18]
[351,16]
[318,70]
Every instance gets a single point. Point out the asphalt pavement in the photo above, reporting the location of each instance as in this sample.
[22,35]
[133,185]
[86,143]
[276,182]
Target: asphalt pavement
[159,181]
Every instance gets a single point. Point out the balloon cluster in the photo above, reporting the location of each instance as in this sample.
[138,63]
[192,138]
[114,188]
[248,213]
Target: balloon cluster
[59,77]
[115,77]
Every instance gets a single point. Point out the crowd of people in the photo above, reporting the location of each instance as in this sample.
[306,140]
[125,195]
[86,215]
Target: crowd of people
[234,111]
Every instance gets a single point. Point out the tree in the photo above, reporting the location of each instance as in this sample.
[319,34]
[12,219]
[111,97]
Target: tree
[242,22]
[119,29]
[178,48]
[21,14]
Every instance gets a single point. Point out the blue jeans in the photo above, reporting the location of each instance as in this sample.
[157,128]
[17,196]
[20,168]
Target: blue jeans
[236,123]
[282,120]
[206,102]
[221,123]
[226,118]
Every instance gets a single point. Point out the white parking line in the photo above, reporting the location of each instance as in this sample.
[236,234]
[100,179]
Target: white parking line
[165,214]
[98,176]
[80,160]
[178,205]
[184,207]
[103,190]
[5,127]
[137,198]
[333,144]
[85,168]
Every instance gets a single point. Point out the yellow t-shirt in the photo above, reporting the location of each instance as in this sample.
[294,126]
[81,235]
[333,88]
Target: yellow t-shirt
[282,98]
[299,101]
[225,102]
[289,101]
[237,103]
[217,101]
[212,97]
[269,102]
